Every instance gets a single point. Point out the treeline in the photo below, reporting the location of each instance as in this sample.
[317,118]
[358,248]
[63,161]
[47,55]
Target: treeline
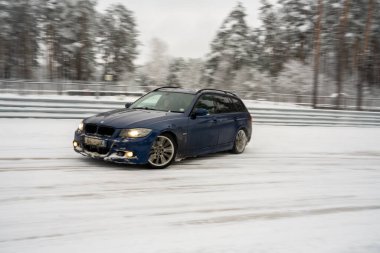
[331,44]
[72,36]
[304,47]
[345,34]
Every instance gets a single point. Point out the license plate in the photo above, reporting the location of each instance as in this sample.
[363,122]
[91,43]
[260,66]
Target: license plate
[94,141]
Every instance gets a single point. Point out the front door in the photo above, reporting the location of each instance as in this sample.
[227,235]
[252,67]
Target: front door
[203,132]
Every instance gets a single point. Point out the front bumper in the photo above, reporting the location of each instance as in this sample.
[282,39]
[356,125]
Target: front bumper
[118,150]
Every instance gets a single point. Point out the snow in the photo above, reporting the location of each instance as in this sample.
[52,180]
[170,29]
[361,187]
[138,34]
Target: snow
[295,189]
[336,5]
[305,27]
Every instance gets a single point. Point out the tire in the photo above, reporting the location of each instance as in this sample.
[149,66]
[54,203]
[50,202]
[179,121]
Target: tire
[163,152]
[240,142]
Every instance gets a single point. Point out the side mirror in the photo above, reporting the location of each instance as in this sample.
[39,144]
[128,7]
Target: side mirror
[199,112]
[127,105]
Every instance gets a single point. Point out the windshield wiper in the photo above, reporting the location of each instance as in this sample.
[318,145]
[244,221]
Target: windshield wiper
[144,108]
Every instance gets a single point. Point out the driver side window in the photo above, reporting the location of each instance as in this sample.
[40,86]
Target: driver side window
[206,102]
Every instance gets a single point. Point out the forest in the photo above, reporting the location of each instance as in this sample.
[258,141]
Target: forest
[306,47]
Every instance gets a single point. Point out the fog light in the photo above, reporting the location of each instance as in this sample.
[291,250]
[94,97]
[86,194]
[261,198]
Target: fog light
[129,154]
[120,153]
[75,144]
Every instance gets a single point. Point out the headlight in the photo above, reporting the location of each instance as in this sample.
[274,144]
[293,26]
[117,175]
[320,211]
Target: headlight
[80,127]
[135,133]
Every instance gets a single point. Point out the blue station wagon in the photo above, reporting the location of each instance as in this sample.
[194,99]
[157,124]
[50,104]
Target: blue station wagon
[167,124]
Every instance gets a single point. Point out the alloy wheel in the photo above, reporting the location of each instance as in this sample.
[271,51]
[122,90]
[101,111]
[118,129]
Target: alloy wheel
[240,141]
[162,152]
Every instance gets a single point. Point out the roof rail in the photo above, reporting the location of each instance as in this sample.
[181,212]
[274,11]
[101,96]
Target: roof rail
[166,87]
[223,91]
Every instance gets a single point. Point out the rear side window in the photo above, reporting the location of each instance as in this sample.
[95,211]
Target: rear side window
[224,104]
[239,106]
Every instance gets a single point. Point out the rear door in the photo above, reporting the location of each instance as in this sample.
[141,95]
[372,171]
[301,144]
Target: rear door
[242,116]
[226,116]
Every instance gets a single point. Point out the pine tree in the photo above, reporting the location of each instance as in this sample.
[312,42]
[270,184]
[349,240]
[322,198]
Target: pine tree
[274,50]
[298,17]
[230,50]
[85,34]
[5,43]
[69,36]
[75,38]
[374,78]
[317,53]
[22,41]
[346,55]
[341,47]
[257,45]
[364,53]
[118,41]
[53,18]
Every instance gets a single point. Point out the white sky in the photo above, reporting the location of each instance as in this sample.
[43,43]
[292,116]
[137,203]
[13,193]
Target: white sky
[187,26]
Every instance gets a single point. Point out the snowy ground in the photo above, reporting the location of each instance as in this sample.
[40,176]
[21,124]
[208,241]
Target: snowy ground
[295,189]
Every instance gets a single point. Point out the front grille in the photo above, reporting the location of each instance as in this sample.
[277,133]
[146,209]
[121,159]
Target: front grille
[90,128]
[99,150]
[106,131]
[99,130]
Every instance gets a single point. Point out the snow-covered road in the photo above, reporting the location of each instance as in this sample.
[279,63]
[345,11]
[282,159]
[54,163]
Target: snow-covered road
[295,189]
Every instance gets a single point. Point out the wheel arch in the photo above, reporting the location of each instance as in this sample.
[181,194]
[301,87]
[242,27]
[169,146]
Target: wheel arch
[171,134]
[246,130]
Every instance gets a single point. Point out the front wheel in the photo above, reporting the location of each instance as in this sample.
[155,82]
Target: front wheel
[163,152]
[240,143]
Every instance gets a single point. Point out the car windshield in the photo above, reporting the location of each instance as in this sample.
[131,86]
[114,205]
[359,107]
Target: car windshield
[164,101]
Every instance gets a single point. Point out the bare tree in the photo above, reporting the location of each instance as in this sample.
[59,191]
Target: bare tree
[158,64]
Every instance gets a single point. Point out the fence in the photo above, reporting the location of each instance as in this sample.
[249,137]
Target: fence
[79,108]
[68,88]
[327,102]
[109,89]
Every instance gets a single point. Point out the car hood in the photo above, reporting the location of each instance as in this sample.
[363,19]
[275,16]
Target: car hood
[127,118]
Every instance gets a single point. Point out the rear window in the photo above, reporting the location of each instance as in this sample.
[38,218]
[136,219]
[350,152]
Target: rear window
[238,105]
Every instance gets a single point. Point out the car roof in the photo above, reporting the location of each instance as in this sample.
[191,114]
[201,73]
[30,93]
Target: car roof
[177,89]
[195,91]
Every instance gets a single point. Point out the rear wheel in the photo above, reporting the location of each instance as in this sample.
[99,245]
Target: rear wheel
[240,142]
[163,152]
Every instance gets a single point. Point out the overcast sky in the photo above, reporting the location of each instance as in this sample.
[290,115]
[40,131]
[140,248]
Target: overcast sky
[187,26]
